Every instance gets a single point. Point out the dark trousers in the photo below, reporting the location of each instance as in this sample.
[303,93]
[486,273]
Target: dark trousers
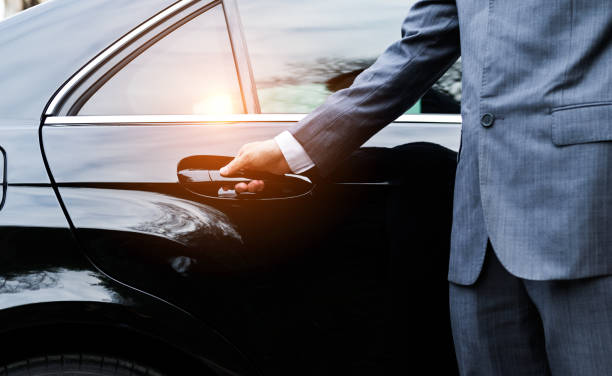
[504,325]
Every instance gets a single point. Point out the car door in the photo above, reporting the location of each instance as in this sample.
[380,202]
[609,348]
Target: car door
[310,277]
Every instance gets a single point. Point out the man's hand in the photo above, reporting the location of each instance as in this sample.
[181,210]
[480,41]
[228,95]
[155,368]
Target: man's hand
[264,156]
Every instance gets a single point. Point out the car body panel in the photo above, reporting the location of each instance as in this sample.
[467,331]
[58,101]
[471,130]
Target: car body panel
[162,146]
[24,161]
[248,267]
[46,281]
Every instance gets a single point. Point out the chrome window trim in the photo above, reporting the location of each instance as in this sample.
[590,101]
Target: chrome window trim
[242,58]
[113,48]
[443,119]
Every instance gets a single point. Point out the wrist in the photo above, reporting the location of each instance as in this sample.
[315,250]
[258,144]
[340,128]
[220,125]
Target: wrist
[294,155]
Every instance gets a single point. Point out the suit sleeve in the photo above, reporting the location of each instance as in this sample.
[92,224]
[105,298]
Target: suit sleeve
[381,93]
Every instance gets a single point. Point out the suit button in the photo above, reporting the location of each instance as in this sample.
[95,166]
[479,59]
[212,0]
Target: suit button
[487,120]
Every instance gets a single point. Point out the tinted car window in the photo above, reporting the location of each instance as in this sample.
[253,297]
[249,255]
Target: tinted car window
[302,51]
[190,71]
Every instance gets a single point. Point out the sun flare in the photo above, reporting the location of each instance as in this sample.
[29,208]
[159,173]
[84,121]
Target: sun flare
[219,104]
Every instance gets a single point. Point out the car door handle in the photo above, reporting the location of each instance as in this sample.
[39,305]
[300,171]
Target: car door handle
[200,175]
[244,176]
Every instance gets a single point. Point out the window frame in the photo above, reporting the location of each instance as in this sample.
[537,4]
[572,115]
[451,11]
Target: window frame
[84,83]
[56,113]
[453,120]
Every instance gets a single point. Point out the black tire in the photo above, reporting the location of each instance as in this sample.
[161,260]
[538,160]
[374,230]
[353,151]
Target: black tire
[77,365]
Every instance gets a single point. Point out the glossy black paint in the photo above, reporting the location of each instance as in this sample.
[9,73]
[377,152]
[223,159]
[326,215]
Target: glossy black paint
[24,163]
[46,281]
[306,277]
[308,282]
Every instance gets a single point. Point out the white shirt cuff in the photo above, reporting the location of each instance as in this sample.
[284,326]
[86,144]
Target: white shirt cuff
[294,153]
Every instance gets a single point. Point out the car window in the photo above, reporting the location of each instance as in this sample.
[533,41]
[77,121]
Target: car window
[190,71]
[302,51]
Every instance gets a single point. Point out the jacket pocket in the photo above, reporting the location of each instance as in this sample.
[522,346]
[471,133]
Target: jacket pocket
[582,123]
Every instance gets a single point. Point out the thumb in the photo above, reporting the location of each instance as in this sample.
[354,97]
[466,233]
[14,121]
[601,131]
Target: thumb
[233,167]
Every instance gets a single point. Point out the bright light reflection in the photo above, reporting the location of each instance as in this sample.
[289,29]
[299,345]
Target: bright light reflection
[220,104]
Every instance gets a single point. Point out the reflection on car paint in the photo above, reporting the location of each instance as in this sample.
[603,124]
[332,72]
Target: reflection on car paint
[53,285]
[117,160]
[31,206]
[185,222]
[20,141]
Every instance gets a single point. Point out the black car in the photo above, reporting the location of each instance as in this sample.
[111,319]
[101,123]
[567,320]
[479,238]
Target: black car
[122,249]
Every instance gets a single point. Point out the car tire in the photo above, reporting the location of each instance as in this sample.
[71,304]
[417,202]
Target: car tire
[76,365]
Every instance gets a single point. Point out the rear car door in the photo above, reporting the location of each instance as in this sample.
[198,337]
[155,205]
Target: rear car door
[325,277]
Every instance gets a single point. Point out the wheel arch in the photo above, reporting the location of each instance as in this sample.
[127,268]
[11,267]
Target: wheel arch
[174,343]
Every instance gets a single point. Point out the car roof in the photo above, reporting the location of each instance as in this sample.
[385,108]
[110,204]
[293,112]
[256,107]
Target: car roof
[43,46]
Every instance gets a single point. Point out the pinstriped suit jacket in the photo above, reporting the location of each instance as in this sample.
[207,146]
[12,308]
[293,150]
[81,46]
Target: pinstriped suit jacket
[534,172]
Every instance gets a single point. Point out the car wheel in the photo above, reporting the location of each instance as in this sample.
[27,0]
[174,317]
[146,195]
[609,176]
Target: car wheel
[75,365]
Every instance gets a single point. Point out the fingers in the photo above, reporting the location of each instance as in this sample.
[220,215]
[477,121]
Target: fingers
[241,187]
[253,186]
[256,186]
[233,167]
[258,156]
[238,163]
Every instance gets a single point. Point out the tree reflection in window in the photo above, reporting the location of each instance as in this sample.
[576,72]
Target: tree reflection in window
[304,51]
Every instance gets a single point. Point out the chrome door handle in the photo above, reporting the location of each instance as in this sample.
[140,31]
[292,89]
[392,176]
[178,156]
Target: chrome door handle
[201,175]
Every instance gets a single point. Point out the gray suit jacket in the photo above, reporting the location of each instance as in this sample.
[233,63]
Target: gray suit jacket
[534,168]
